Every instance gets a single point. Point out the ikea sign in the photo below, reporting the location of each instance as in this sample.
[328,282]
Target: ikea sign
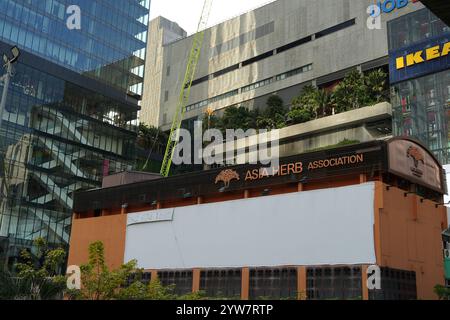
[426,57]
[423,55]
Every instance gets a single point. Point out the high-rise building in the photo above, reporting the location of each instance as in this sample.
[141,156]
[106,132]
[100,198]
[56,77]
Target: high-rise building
[71,110]
[275,49]
[419,45]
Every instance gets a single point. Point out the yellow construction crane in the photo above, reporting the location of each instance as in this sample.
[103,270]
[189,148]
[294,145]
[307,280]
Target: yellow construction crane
[186,89]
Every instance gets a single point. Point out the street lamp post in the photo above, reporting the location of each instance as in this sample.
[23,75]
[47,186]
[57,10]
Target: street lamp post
[6,78]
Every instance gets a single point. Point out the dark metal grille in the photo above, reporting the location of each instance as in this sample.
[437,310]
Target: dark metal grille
[279,283]
[396,285]
[221,283]
[181,279]
[329,283]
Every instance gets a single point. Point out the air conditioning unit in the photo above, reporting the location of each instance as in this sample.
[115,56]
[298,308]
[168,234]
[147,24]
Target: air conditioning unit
[447,253]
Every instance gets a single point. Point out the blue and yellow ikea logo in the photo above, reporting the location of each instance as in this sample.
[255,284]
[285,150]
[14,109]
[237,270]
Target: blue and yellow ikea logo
[423,56]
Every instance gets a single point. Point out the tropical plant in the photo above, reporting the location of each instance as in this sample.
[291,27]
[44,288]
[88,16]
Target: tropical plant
[212,121]
[150,141]
[99,283]
[299,115]
[356,90]
[125,283]
[151,137]
[323,100]
[274,115]
[307,100]
[38,275]
[442,292]
[376,84]
[238,118]
[351,93]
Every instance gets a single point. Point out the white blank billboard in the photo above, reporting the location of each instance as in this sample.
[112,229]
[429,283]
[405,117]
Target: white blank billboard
[331,226]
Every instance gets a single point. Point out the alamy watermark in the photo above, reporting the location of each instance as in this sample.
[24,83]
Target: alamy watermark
[213,147]
[73,21]
[73,278]
[374,277]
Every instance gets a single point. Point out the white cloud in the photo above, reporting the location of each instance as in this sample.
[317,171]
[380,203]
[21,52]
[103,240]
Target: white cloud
[187,12]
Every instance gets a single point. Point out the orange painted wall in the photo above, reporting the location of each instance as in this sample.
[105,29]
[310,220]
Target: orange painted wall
[408,236]
[111,230]
[407,231]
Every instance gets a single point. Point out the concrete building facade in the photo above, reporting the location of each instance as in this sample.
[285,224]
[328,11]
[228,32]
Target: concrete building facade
[306,229]
[277,48]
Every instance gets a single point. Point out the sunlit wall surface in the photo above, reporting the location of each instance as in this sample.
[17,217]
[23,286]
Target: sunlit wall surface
[68,120]
[110,46]
[421,99]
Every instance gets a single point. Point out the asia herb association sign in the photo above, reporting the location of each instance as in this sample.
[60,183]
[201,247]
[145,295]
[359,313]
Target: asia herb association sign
[229,176]
[298,167]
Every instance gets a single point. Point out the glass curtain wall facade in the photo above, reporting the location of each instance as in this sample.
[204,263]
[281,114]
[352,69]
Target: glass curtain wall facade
[67,122]
[421,93]
[110,46]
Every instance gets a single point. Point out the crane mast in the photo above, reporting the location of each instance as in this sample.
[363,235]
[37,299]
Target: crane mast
[183,99]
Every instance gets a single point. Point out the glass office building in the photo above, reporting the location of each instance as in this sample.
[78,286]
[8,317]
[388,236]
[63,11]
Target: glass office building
[110,46]
[71,112]
[421,84]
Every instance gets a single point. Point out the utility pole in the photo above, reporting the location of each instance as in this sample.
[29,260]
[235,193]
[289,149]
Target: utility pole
[6,78]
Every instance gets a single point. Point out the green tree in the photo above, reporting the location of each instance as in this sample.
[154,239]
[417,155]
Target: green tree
[151,140]
[274,115]
[151,137]
[212,122]
[100,283]
[351,93]
[299,115]
[125,283]
[442,292]
[38,275]
[307,100]
[376,84]
[304,106]
[238,118]
[323,101]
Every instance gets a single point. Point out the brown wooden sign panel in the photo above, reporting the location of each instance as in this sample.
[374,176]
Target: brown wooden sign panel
[410,160]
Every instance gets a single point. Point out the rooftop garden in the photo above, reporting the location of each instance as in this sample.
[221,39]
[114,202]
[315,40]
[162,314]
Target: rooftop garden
[355,91]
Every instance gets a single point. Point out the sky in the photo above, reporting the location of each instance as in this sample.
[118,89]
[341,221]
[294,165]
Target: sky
[187,12]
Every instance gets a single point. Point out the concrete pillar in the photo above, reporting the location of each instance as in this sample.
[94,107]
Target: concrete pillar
[245,284]
[196,280]
[365,289]
[301,283]
[154,275]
